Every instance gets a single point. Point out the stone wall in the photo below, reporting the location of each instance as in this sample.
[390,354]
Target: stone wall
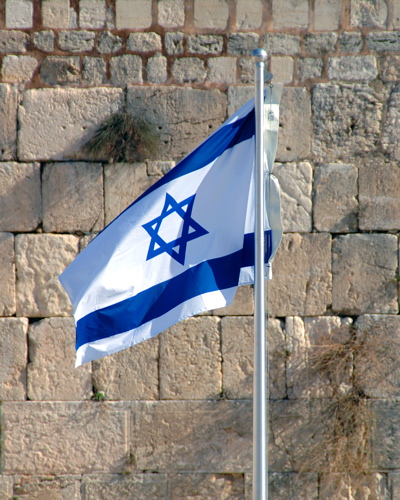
[176,422]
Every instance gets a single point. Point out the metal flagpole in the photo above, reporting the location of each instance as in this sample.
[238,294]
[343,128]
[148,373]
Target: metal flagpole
[260,384]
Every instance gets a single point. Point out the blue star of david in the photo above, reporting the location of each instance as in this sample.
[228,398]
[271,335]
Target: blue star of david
[190,230]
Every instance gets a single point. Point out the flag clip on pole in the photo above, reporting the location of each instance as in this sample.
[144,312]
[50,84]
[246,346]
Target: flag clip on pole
[260,380]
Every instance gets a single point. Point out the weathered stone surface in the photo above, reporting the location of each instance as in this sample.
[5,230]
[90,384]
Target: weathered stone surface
[13,359]
[205,44]
[133,14]
[343,487]
[159,167]
[287,485]
[64,438]
[390,135]
[394,484]
[72,197]
[142,486]
[280,43]
[65,115]
[288,14]
[44,40]
[390,68]
[131,374]
[364,274]
[384,41]
[386,451]
[92,14]
[126,69]
[246,66]
[51,370]
[367,13]
[320,43]
[352,68]
[379,185]
[335,198]
[327,14]
[109,43]
[56,14]
[207,486]
[222,70]
[238,96]
[242,305]
[144,42]
[242,43]
[295,180]
[76,41]
[64,487]
[190,360]
[94,71]
[237,335]
[40,259]
[249,14]
[346,121]
[212,14]
[308,67]
[171,13]
[157,68]
[282,68]
[6,487]
[184,116]
[302,276]
[7,283]
[189,70]
[60,70]
[19,14]
[396,14]
[174,43]
[350,41]
[192,435]
[13,41]
[20,196]
[8,122]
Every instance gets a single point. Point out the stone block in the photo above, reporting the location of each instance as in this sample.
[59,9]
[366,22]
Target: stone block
[242,305]
[294,125]
[388,41]
[133,14]
[109,43]
[280,43]
[40,259]
[222,70]
[205,44]
[174,43]
[6,487]
[237,335]
[144,42]
[13,357]
[94,71]
[184,116]
[190,360]
[56,14]
[65,115]
[390,132]
[306,340]
[19,14]
[342,487]
[192,436]
[64,438]
[76,41]
[366,13]
[51,370]
[206,486]
[386,451]
[61,70]
[288,14]
[379,185]
[296,185]
[123,183]
[308,67]
[157,68]
[18,69]
[396,14]
[394,484]
[72,197]
[335,198]
[327,15]
[282,68]
[7,283]
[243,43]
[44,40]
[287,485]
[350,41]
[249,14]
[246,68]
[346,121]
[92,14]
[364,274]
[131,374]
[159,167]
[126,69]
[211,14]
[142,486]
[13,41]
[318,44]
[302,276]
[20,196]
[65,487]
[390,68]
[171,13]
[352,68]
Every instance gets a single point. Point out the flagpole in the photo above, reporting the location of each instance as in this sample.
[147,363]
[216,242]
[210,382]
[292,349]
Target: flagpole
[260,377]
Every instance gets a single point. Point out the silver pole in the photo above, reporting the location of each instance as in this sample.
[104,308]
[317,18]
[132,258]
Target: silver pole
[260,384]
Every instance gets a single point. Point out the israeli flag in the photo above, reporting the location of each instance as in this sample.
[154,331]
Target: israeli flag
[181,248]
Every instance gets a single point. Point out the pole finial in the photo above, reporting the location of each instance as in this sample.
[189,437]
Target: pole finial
[259,55]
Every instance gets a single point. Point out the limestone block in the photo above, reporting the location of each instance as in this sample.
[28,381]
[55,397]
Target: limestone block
[107,486]
[246,67]
[64,438]
[386,451]
[238,96]
[301,283]
[174,43]
[192,436]
[280,43]
[296,184]
[343,487]
[7,283]
[13,356]
[123,183]
[212,14]
[133,14]
[346,121]
[40,259]
[394,482]
[205,44]
[144,42]
[222,70]
[327,15]
[13,41]
[366,13]
[335,198]
[171,13]
[206,486]
[18,69]
[19,14]
[288,14]
[126,69]
[350,41]
[189,70]
[390,133]
[249,14]
[306,338]
[190,360]
[92,14]
[20,196]
[294,125]
[72,197]
[109,43]
[287,485]
[6,487]
[73,23]
[243,43]
[308,67]
[159,167]
[76,41]
[237,335]
[131,374]
[55,14]
[242,305]
[157,68]
[94,71]
[396,14]
[390,68]
[352,68]
[379,185]
[364,274]
[66,116]
[40,487]
[184,116]
[320,43]
[282,68]
[44,40]
[384,41]
[61,70]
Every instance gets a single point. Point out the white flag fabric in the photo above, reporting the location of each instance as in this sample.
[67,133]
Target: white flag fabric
[183,247]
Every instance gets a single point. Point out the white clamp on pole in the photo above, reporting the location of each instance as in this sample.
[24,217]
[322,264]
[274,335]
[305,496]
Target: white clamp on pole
[260,377]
